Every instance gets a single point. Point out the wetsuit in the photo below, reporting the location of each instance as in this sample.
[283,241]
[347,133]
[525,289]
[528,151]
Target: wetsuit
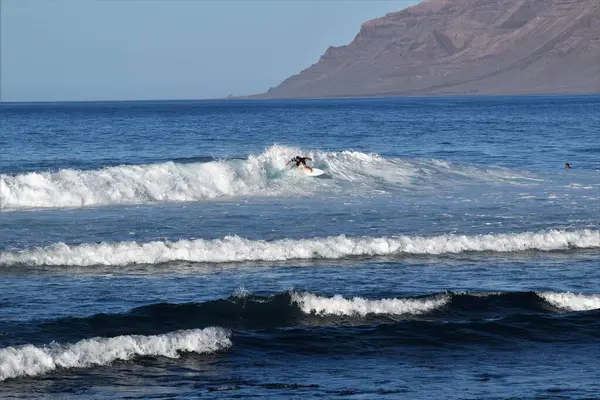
[301,160]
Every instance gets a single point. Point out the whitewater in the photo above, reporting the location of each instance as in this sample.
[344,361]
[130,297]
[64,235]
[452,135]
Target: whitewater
[31,360]
[237,249]
[311,303]
[263,174]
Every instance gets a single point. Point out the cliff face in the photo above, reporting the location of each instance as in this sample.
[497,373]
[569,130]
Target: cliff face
[463,47]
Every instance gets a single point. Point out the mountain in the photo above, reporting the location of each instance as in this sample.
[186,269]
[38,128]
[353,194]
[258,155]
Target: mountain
[442,47]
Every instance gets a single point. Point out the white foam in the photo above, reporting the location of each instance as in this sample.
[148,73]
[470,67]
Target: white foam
[135,184]
[237,249]
[337,305]
[263,174]
[30,360]
[367,168]
[572,301]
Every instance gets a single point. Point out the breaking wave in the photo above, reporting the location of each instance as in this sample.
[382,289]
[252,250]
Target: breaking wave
[237,249]
[338,305]
[30,360]
[572,301]
[264,174]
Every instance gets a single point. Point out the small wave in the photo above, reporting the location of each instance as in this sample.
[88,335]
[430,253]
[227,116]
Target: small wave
[572,301]
[30,360]
[237,249]
[533,311]
[588,150]
[239,312]
[338,305]
[510,331]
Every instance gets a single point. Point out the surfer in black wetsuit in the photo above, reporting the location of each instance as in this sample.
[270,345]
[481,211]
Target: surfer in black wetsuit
[567,165]
[300,161]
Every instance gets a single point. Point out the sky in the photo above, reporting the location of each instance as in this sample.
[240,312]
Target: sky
[62,50]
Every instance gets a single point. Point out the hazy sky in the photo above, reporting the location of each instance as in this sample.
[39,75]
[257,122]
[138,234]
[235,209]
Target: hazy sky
[168,49]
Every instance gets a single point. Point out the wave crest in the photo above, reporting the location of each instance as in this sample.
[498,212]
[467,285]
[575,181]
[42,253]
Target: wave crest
[137,184]
[30,360]
[237,249]
[337,305]
[572,301]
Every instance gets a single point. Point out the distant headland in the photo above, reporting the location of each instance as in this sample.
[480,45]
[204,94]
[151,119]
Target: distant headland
[462,47]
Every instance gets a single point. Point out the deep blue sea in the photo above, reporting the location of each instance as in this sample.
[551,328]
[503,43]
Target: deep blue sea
[164,250]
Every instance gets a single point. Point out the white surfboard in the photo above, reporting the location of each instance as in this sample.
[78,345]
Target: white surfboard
[314,172]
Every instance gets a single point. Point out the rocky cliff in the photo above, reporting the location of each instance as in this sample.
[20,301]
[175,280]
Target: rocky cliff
[462,47]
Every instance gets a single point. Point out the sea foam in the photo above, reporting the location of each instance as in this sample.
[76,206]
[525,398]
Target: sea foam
[133,184]
[31,360]
[237,249]
[263,174]
[337,305]
[572,301]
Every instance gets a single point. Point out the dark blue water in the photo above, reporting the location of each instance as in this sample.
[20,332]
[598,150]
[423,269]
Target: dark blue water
[164,250]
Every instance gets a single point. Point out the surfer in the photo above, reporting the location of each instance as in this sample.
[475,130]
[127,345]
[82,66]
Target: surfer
[300,161]
[567,165]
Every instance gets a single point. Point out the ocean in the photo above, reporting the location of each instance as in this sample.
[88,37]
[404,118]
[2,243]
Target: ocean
[162,249]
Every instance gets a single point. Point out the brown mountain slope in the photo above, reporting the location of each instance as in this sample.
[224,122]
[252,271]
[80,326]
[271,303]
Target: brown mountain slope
[463,47]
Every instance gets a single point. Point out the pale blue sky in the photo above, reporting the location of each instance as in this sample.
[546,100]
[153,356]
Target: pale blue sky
[168,49]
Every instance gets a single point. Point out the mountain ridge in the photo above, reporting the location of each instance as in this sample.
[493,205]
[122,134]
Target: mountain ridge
[458,47]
